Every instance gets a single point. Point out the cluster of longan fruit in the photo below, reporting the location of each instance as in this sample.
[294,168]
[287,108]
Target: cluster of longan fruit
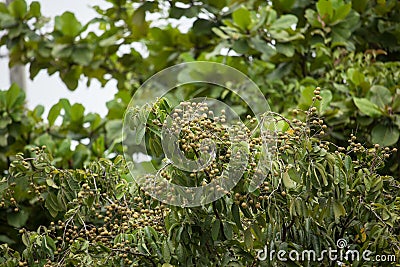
[104,222]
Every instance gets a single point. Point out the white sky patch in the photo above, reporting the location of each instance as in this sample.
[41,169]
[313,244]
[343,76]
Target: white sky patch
[74,144]
[85,141]
[139,157]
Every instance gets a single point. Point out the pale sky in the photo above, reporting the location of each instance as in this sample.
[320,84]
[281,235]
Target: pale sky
[47,90]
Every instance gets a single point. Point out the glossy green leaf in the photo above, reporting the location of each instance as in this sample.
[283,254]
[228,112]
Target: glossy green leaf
[381,96]
[325,9]
[54,112]
[338,209]
[248,238]
[18,219]
[14,96]
[367,107]
[326,100]
[215,229]
[34,9]
[68,24]
[284,22]
[227,228]
[341,13]
[18,8]
[287,181]
[82,56]
[241,17]
[384,135]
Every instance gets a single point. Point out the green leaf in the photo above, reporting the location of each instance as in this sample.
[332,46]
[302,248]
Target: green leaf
[241,17]
[367,107]
[51,243]
[34,9]
[341,13]
[326,100]
[54,113]
[50,182]
[287,181]
[52,204]
[220,33]
[325,9]
[113,129]
[355,75]
[215,229]
[18,219]
[70,77]
[236,216]
[381,96]
[68,24]
[338,209]
[77,112]
[18,8]
[307,93]
[359,5]
[202,27]
[112,40]
[14,96]
[263,47]
[348,164]
[166,252]
[284,22]
[240,46]
[228,230]
[286,49]
[3,140]
[384,135]
[248,238]
[82,56]
[6,239]
[61,51]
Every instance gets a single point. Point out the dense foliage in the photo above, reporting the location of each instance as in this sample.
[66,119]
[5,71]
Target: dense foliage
[67,197]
